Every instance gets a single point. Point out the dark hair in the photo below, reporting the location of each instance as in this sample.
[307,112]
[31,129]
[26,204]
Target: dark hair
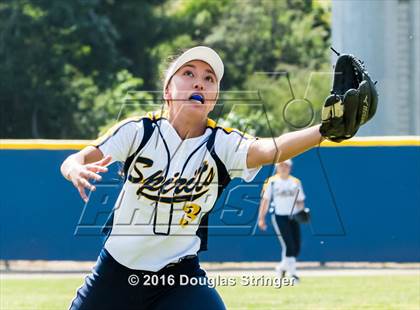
[168,62]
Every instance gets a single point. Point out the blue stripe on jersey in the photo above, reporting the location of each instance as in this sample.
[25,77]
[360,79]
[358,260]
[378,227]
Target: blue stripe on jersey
[148,131]
[223,181]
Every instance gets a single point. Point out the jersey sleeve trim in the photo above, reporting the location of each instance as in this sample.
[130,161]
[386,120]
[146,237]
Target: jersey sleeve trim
[268,181]
[212,124]
[114,130]
[294,179]
[157,115]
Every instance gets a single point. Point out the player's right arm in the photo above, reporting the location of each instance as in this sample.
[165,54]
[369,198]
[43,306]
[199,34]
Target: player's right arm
[265,200]
[84,165]
[115,145]
[262,213]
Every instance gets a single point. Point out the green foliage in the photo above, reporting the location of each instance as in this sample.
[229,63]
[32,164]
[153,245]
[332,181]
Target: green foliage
[141,25]
[263,37]
[45,47]
[67,65]
[286,101]
[97,109]
[198,17]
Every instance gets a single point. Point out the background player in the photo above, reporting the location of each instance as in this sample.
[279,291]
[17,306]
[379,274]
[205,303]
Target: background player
[285,193]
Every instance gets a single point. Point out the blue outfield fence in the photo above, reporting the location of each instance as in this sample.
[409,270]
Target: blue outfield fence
[364,198]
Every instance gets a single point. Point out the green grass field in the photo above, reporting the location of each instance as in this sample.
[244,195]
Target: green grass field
[341,292]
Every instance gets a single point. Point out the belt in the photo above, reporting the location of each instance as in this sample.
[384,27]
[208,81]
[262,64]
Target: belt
[181,259]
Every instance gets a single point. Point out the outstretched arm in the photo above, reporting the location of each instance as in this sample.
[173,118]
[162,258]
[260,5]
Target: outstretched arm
[273,150]
[78,168]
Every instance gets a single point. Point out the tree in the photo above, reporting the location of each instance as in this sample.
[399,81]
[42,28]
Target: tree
[46,48]
[267,34]
[69,64]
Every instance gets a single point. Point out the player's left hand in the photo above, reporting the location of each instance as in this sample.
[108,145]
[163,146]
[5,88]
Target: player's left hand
[261,224]
[352,102]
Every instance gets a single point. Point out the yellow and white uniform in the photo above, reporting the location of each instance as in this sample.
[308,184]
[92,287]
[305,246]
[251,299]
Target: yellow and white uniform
[282,193]
[171,185]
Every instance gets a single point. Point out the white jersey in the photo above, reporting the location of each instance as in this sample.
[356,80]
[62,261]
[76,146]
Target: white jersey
[171,184]
[283,192]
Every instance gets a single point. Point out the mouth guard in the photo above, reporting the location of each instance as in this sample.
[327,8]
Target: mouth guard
[198,98]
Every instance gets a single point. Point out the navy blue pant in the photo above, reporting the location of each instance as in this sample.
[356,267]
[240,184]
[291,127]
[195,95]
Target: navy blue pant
[108,287]
[289,230]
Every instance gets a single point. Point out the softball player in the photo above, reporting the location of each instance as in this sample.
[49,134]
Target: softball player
[286,194]
[176,165]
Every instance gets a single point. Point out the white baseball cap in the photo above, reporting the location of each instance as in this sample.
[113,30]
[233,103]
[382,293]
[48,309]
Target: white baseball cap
[202,53]
[287,162]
